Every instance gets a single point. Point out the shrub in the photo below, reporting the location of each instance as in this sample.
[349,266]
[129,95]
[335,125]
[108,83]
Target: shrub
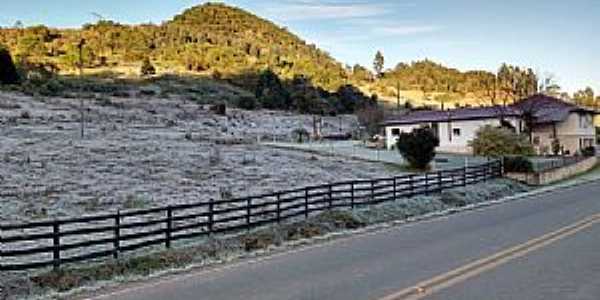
[8,71]
[146,93]
[147,68]
[270,91]
[496,142]
[418,147]
[25,115]
[247,103]
[219,109]
[517,164]
[589,151]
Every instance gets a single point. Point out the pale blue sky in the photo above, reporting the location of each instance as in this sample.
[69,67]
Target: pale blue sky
[559,37]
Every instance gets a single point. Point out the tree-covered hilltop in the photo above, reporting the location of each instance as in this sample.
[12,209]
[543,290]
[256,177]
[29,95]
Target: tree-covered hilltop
[444,84]
[232,45]
[209,39]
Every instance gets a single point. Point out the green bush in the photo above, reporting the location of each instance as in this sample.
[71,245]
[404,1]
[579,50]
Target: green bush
[219,109]
[517,164]
[247,103]
[418,147]
[589,151]
[147,68]
[496,142]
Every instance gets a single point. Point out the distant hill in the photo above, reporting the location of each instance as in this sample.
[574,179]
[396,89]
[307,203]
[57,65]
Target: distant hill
[429,83]
[212,39]
[228,43]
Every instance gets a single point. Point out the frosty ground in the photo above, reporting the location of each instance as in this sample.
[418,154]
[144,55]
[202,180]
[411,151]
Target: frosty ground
[150,151]
[141,152]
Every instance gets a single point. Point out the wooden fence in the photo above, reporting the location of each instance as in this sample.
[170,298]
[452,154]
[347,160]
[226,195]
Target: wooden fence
[110,235]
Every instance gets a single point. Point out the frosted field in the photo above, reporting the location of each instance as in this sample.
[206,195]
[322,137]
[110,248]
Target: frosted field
[140,153]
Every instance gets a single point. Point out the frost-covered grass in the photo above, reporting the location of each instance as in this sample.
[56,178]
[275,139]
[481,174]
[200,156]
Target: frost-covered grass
[421,205]
[149,151]
[226,248]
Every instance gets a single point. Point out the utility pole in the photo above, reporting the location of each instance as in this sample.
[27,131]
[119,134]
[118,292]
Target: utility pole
[398,95]
[82,118]
[80,47]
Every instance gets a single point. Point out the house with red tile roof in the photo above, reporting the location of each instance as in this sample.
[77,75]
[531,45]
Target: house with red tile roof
[548,118]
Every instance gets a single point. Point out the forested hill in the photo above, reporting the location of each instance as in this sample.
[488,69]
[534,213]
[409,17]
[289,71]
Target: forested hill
[229,43]
[443,84]
[212,39]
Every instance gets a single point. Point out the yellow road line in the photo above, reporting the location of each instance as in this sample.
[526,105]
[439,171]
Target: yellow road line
[458,275]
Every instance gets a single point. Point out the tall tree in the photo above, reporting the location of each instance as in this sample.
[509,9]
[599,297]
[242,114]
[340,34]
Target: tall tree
[584,97]
[8,72]
[505,82]
[379,63]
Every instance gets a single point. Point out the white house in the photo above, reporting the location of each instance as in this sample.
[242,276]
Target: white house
[551,119]
[455,128]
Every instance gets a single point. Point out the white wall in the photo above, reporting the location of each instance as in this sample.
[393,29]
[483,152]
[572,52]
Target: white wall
[455,143]
[391,139]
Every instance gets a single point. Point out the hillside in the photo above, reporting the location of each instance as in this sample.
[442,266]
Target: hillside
[210,39]
[430,83]
[236,47]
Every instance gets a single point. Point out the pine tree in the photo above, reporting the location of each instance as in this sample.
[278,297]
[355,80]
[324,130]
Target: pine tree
[147,68]
[8,72]
[379,63]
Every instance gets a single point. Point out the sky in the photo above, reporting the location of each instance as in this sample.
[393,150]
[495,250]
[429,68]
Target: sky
[558,38]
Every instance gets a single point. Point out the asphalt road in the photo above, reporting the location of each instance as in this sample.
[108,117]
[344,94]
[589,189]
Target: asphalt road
[376,265]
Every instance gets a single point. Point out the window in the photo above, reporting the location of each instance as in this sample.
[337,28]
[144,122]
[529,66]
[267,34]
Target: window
[536,140]
[456,131]
[396,131]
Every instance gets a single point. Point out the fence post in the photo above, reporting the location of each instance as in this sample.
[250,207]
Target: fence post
[395,183]
[439,174]
[169,227]
[426,184]
[117,233]
[411,184]
[330,187]
[56,245]
[464,176]
[372,191]
[278,208]
[306,203]
[352,195]
[211,217]
[1,268]
[248,212]
[486,172]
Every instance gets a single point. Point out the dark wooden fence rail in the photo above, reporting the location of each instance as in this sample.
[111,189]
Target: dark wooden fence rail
[126,231]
